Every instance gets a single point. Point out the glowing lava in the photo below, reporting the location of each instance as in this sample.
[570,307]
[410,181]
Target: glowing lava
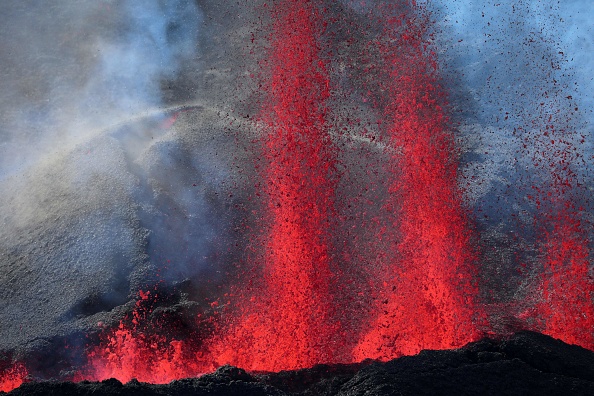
[288,323]
[426,295]
[281,312]
[12,377]
[130,351]
[568,289]
[567,308]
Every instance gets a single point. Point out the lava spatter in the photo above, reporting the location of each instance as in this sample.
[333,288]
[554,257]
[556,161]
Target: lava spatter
[286,322]
[12,377]
[281,313]
[566,310]
[554,148]
[426,296]
[135,350]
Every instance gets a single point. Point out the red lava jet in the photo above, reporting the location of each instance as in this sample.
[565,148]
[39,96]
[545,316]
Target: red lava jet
[567,307]
[287,323]
[426,296]
[283,320]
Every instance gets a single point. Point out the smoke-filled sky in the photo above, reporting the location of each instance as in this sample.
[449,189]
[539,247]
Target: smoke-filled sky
[105,182]
[514,70]
[503,55]
[98,183]
[504,51]
[70,70]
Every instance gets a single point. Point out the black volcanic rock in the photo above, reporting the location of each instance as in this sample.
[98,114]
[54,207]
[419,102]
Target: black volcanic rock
[525,364]
[227,380]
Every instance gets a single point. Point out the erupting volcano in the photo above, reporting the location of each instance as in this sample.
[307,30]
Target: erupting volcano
[286,256]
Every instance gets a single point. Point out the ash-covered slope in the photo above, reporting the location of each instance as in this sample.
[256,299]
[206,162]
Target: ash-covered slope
[115,148]
[525,364]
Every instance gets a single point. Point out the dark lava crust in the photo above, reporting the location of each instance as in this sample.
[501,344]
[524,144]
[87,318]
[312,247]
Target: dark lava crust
[525,364]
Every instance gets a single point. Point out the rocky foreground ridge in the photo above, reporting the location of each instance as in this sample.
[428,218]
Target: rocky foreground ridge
[525,364]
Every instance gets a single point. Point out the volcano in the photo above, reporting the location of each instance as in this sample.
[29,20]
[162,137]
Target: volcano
[295,197]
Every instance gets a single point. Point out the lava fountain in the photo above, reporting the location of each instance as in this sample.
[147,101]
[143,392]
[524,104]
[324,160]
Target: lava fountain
[427,295]
[288,322]
[12,377]
[136,350]
[567,308]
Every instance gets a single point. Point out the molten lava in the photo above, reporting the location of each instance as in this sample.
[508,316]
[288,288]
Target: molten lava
[12,377]
[288,322]
[567,308]
[130,351]
[426,296]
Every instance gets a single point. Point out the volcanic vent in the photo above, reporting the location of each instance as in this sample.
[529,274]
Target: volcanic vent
[277,185]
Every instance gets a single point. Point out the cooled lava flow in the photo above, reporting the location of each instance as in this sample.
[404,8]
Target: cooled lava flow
[426,297]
